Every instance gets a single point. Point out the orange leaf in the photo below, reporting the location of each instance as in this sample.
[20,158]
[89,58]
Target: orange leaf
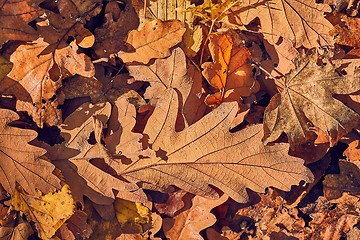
[230,73]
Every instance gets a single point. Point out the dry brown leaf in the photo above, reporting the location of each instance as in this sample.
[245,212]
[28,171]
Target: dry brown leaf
[205,152]
[154,40]
[79,86]
[48,212]
[347,181]
[73,158]
[16,229]
[348,34]
[122,141]
[172,205]
[281,57]
[230,73]
[306,102]
[77,224]
[173,72]
[65,22]
[188,224]
[109,37]
[20,161]
[32,84]
[14,18]
[353,150]
[302,22]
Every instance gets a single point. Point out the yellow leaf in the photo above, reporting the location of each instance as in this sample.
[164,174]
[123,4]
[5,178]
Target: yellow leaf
[192,40]
[48,212]
[212,11]
[131,216]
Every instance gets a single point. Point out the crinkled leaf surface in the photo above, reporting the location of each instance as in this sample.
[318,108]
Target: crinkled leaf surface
[154,40]
[20,161]
[306,100]
[207,153]
[302,22]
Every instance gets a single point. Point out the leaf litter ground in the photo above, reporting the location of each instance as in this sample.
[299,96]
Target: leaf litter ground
[179,119]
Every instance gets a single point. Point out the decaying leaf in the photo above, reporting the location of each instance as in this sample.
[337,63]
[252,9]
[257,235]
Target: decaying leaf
[153,41]
[14,18]
[230,73]
[48,212]
[173,204]
[302,22]
[203,154]
[306,101]
[188,224]
[20,161]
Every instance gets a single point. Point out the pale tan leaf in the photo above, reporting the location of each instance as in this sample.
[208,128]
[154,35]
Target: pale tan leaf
[302,22]
[173,72]
[190,222]
[154,40]
[306,102]
[204,154]
[21,162]
[74,155]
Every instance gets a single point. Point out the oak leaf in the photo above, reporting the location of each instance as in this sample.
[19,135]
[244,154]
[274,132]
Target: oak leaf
[14,18]
[307,100]
[48,212]
[230,73]
[154,40]
[203,155]
[188,224]
[302,22]
[21,162]
[33,83]
[173,72]
[73,157]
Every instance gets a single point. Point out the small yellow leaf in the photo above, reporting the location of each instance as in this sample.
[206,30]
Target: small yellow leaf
[5,67]
[192,40]
[48,212]
[131,215]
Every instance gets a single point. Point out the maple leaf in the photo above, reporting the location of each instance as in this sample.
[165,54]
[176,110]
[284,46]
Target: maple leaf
[14,18]
[48,212]
[302,22]
[230,73]
[306,100]
[73,157]
[20,161]
[188,224]
[154,40]
[203,154]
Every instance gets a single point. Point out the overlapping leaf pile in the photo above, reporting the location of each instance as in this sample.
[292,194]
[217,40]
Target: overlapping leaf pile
[125,121]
